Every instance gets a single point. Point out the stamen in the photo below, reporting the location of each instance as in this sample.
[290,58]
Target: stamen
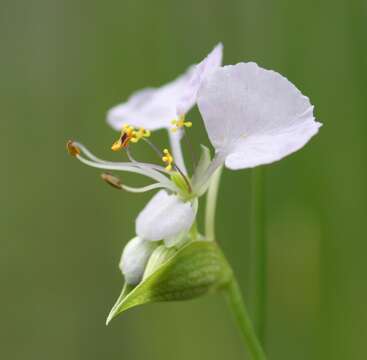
[142,189]
[72,148]
[167,159]
[180,123]
[117,184]
[129,156]
[163,156]
[154,147]
[149,170]
[112,180]
[129,134]
[94,158]
[175,145]
[140,134]
[125,137]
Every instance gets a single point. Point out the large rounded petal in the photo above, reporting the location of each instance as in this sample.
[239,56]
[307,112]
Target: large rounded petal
[155,108]
[165,216]
[134,259]
[254,116]
[211,63]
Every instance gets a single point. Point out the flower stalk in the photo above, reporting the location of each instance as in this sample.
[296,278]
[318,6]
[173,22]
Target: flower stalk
[233,291]
[258,253]
[241,315]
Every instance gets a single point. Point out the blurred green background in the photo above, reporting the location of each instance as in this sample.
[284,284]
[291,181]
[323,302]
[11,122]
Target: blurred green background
[63,64]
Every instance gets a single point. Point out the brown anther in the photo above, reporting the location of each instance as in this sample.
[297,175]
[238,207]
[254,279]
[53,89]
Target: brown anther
[72,148]
[112,180]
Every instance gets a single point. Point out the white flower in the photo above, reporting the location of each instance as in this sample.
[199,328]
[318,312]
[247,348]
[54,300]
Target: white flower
[134,259]
[165,217]
[254,116]
[155,108]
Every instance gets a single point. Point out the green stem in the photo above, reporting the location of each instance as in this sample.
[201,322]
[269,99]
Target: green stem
[258,253]
[241,314]
[211,204]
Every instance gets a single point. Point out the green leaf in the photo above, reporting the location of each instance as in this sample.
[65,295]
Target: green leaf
[196,269]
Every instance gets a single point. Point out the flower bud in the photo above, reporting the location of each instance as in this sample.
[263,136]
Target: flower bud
[134,259]
[196,269]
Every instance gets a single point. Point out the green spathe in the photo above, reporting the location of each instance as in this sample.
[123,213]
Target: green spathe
[197,269]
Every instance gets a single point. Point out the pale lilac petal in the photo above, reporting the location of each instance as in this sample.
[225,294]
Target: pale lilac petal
[164,216]
[155,108]
[151,108]
[254,116]
[211,63]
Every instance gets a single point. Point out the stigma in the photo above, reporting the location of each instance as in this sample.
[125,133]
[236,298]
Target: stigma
[180,123]
[129,134]
[167,158]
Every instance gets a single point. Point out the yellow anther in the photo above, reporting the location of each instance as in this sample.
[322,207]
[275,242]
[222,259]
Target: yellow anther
[167,158]
[117,145]
[139,134]
[128,130]
[129,134]
[180,123]
[124,139]
[72,148]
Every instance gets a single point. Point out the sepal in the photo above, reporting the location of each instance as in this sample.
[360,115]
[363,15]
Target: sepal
[196,269]
[159,256]
[198,188]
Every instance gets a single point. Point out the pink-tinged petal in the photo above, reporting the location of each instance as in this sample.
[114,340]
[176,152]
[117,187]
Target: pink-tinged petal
[254,116]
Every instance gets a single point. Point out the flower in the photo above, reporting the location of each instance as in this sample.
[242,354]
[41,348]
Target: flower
[254,116]
[156,108]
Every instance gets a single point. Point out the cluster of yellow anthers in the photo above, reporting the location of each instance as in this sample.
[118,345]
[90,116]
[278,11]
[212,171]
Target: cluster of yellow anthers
[129,134]
[167,158]
[180,123]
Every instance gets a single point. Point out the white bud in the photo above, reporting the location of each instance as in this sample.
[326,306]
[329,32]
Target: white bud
[134,259]
[165,216]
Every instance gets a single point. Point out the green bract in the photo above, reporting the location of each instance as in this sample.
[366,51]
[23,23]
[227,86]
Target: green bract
[196,269]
